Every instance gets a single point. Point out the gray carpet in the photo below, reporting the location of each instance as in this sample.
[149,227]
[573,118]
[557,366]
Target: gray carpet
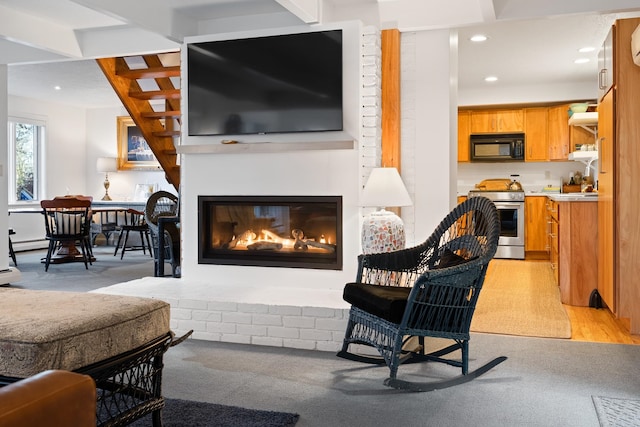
[106,270]
[544,382]
[186,413]
[615,412]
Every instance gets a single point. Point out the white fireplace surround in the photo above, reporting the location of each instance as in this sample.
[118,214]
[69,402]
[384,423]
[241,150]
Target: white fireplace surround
[303,308]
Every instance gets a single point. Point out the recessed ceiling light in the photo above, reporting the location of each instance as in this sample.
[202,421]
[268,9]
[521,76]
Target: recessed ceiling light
[491,79]
[581,60]
[57,88]
[478,38]
[586,49]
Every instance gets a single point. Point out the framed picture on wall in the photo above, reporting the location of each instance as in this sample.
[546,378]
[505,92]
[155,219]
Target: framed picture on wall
[133,151]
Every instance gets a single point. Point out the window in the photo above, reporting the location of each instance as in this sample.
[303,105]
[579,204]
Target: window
[25,141]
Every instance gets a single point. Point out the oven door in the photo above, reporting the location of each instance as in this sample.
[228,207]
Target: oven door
[511,241]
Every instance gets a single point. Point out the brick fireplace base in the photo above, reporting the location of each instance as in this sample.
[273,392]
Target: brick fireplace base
[258,316]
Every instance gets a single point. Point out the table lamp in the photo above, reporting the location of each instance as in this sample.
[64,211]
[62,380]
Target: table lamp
[106,165]
[382,230]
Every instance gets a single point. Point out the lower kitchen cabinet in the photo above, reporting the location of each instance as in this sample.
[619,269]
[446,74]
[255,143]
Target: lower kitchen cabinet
[536,227]
[573,237]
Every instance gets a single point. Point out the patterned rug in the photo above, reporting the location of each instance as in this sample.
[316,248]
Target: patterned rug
[614,412]
[186,413]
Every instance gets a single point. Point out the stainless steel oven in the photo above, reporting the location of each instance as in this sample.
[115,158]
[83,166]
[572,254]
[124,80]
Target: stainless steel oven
[510,205]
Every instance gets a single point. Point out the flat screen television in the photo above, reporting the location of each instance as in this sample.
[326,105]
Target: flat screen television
[263,85]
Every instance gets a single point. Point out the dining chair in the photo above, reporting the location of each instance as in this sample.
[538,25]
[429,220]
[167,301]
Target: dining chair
[67,224]
[133,221]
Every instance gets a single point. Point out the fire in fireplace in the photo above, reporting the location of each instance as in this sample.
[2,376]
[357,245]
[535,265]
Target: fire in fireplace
[271,231]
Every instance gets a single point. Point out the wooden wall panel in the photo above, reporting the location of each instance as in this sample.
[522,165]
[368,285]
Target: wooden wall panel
[390,42]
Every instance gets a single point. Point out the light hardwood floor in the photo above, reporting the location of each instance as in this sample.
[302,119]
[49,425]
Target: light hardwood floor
[598,325]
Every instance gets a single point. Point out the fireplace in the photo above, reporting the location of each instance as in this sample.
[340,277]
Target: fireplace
[271,231]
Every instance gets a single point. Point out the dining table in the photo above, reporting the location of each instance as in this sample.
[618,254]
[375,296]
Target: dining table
[68,251]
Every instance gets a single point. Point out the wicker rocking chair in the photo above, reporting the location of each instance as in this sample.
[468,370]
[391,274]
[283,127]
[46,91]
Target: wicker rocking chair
[429,290]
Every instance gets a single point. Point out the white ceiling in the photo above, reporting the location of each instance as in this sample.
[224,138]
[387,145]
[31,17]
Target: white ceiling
[51,43]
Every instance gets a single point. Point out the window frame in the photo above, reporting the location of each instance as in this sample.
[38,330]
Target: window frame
[38,179]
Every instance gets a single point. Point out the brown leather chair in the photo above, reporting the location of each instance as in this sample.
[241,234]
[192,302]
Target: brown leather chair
[50,398]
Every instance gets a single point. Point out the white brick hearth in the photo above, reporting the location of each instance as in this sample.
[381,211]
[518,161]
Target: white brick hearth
[289,317]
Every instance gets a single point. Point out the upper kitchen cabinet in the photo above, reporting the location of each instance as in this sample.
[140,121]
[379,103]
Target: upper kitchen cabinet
[536,128]
[464,130]
[492,121]
[559,146]
[605,66]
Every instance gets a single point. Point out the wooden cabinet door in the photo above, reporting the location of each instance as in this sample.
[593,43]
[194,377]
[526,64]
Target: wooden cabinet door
[483,121]
[552,235]
[510,120]
[558,133]
[606,219]
[535,232]
[464,130]
[536,134]
[490,121]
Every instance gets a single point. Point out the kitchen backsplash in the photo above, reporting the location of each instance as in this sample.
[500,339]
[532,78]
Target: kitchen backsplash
[533,176]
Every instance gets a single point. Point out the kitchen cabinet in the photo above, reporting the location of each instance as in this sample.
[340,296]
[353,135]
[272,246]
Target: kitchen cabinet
[619,199]
[535,231]
[464,130]
[490,121]
[606,224]
[605,65]
[552,237]
[574,252]
[536,128]
[559,132]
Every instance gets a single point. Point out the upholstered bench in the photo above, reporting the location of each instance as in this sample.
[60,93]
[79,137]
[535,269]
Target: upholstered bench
[118,340]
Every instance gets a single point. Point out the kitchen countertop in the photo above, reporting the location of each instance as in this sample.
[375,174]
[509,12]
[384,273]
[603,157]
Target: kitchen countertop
[561,197]
[574,197]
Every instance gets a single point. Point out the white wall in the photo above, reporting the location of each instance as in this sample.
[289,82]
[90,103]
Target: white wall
[307,173]
[429,112]
[4,258]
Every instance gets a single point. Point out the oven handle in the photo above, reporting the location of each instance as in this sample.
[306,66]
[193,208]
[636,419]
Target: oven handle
[510,205]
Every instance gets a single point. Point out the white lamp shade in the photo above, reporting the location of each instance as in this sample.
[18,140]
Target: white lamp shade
[385,188]
[107,164]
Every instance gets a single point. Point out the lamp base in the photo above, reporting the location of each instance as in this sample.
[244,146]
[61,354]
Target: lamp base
[382,231]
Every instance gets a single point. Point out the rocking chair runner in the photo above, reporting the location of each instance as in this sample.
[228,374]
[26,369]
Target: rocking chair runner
[429,290]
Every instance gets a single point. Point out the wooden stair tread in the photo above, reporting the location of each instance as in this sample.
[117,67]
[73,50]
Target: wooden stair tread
[161,114]
[151,73]
[156,94]
[167,133]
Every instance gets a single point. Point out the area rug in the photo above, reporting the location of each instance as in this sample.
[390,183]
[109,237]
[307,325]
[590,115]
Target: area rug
[521,298]
[188,413]
[615,412]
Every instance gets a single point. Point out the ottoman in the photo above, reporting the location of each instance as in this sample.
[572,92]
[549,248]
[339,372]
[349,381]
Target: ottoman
[118,340]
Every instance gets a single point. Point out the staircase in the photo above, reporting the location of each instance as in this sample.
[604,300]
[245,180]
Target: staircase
[145,88]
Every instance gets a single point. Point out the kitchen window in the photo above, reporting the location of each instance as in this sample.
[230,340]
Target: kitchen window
[25,145]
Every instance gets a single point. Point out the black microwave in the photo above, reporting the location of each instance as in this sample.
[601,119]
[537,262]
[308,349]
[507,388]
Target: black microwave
[501,147]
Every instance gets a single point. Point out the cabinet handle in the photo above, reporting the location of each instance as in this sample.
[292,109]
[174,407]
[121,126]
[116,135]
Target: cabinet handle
[600,159]
[601,78]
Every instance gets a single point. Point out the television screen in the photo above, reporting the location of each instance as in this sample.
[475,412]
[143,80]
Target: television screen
[274,84]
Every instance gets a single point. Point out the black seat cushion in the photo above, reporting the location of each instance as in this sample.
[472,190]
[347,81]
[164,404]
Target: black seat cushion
[387,302]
